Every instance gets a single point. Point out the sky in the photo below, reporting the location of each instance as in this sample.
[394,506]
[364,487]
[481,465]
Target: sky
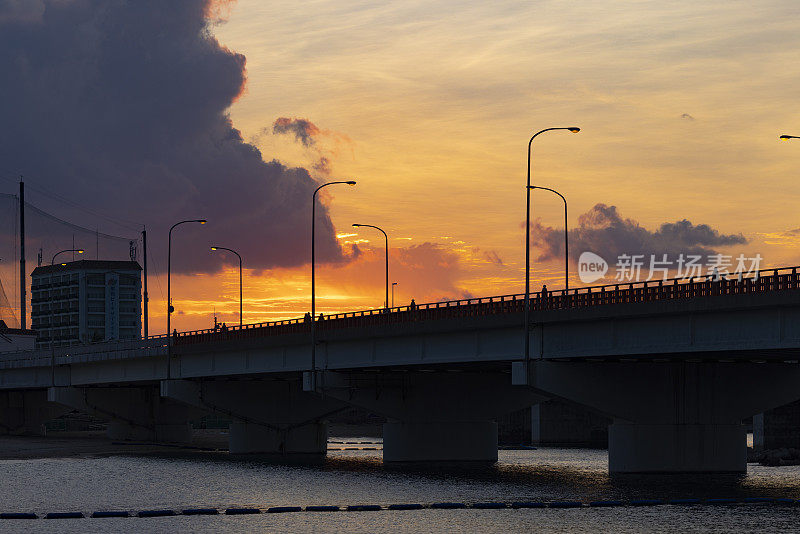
[239,109]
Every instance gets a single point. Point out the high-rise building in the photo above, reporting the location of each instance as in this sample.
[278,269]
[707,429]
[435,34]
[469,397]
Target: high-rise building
[86,301]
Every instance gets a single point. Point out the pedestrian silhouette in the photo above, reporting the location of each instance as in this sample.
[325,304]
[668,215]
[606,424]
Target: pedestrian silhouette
[413,305]
[321,317]
[224,327]
[307,317]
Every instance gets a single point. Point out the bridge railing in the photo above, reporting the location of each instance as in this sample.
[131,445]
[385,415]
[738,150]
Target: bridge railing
[632,292]
[787,278]
[142,347]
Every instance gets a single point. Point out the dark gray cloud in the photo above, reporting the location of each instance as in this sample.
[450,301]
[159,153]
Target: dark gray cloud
[308,134]
[493,257]
[323,166]
[123,106]
[303,130]
[605,232]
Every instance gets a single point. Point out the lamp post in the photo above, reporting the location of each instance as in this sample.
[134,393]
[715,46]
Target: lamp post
[386,241]
[393,284]
[787,137]
[573,129]
[566,234]
[313,281]
[241,300]
[170,309]
[78,250]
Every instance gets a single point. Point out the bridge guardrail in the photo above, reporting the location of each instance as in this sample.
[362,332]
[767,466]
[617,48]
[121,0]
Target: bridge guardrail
[106,347]
[765,280]
[785,278]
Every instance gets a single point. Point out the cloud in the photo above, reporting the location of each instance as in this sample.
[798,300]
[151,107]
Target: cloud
[493,257]
[123,106]
[323,166]
[304,130]
[605,232]
[309,135]
[687,117]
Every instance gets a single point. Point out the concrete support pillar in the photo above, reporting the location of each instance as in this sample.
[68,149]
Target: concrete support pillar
[671,416]
[273,417]
[652,448]
[310,439]
[132,413]
[777,428]
[556,423]
[26,412]
[470,441]
[435,416]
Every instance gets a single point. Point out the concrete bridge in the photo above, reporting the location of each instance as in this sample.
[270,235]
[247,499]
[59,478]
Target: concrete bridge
[676,364]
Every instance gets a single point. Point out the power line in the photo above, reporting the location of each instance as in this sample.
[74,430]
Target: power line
[77,227]
[130,225]
[69,224]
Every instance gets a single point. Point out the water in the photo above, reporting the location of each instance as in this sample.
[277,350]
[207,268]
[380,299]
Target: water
[177,481]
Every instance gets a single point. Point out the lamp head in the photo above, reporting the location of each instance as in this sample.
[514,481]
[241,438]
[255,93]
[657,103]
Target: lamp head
[213,248]
[533,187]
[350,182]
[63,264]
[785,137]
[574,129]
[80,251]
[355,225]
[202,221]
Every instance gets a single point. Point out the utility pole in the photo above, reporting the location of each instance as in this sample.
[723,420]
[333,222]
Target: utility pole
[23,312]
[145,298]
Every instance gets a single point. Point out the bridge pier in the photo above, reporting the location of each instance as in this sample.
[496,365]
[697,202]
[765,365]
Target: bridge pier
[270,416]
[434,416]
[670,416]
[26,411]
[452,441]
[133,413]
[654,448]
[777,428]
[555,423]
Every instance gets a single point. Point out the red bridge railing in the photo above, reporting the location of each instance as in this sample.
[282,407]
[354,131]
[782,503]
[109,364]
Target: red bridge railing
[786,278]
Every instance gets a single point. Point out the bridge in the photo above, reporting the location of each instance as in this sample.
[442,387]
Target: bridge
[677,364]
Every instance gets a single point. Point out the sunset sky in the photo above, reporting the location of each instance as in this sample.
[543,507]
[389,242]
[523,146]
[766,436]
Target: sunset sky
[430,105]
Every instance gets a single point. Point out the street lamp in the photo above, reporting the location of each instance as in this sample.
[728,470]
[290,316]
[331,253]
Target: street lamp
[170,308]
[566,234]
[78,250]
[787,137]
[240,278]
[393,284]
[386,240]
[573,129]
[313,281]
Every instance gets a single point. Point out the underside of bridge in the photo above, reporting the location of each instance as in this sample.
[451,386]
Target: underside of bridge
[434,415]
[269,415]
[132,412]
[26,411]
[669,416]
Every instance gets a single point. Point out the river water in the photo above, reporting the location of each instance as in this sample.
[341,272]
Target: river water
[347,477]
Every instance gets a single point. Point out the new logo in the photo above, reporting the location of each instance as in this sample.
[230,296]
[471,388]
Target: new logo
[591,267]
